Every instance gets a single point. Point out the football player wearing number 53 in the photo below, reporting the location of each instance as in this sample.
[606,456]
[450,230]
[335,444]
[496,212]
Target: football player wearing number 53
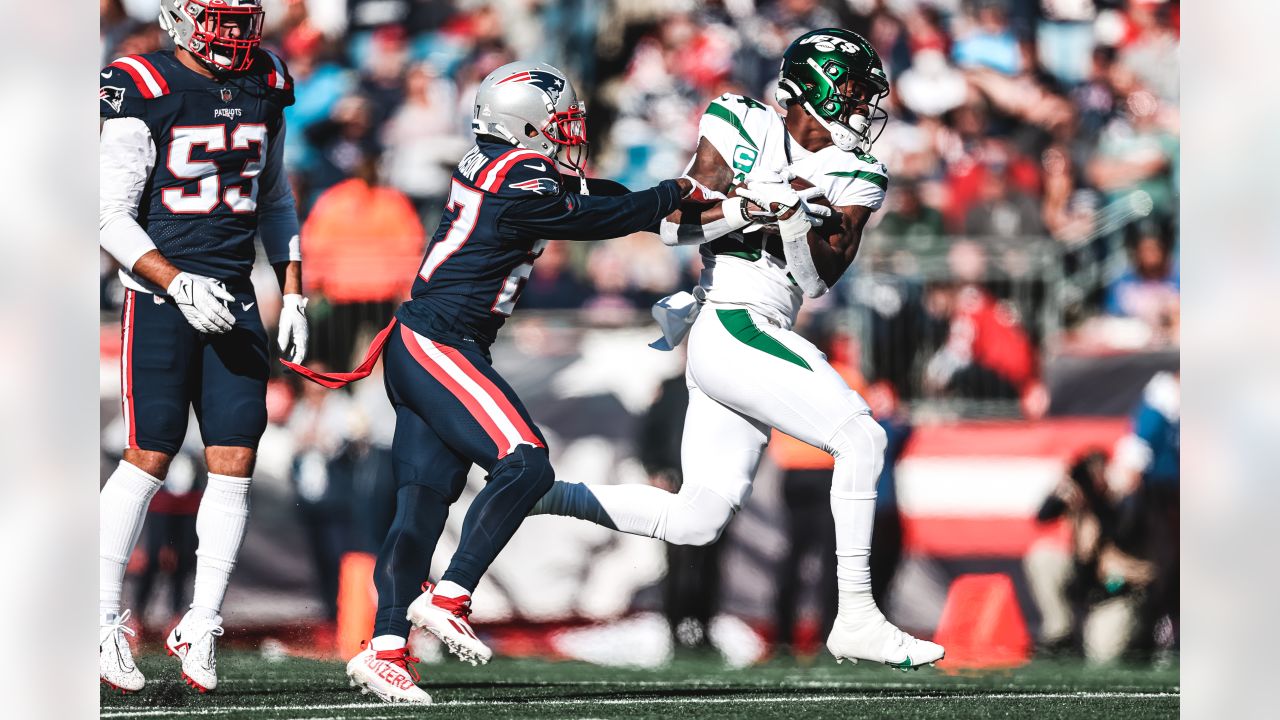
[452,408]
[191,170]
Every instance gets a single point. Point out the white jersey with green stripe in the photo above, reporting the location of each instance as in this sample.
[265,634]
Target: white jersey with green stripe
[748,269]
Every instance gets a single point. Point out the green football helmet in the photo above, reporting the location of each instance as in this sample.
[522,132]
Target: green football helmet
[835,74]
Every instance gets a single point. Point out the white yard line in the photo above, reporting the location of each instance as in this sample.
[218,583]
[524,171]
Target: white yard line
[766,699]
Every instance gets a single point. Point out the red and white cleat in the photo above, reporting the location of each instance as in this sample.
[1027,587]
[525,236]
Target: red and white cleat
[193,642]
[116,668]
[446,618]
[390,675]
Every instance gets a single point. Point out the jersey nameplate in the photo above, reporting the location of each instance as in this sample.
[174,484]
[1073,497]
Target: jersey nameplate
[471,163]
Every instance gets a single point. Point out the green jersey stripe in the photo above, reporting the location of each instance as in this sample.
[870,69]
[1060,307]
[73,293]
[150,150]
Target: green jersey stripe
[876,179]
[739,325]
[725,114]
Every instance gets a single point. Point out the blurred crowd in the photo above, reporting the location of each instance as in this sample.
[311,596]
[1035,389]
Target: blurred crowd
[1033,146]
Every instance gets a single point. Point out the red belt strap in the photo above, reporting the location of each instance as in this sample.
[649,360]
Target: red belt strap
[340,379]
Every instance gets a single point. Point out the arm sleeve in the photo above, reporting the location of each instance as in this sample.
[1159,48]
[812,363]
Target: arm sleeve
[595,186]
[569,216]
[126,156]
[277,216]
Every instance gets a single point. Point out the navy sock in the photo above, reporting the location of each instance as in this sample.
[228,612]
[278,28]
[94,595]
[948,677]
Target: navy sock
[516,483]
[405,557]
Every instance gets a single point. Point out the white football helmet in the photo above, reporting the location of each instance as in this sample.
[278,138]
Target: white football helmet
[222,33]
[533,105]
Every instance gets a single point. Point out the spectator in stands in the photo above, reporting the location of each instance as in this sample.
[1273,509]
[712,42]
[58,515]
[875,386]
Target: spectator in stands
[1149,290]
[382,76]
[114,24]
[362,241]
[988,41]
[553,284]
[691,588]
[423,144]
[341,142]
[912,224]
[987,353]
[1001,211]
[170,540]
[1137,150]
[887,536]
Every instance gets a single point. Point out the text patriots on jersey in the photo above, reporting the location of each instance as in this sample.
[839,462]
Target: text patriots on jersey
[227,112]
[113,96]
[541,186]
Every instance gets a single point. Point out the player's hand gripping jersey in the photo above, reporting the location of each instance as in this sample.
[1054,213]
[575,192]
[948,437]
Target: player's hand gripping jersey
[504,204]
[748,268]
[195,163]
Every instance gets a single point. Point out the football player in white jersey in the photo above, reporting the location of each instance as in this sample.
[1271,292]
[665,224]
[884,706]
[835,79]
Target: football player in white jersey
[764,248]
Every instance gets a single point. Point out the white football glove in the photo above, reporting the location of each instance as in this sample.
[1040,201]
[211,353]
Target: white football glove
[203,301]
[293,328]
[780,197]
[767,193]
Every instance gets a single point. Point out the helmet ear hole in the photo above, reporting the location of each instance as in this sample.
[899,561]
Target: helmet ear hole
[530,130]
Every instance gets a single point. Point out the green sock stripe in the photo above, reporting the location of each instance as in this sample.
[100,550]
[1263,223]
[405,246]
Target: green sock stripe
[739,325]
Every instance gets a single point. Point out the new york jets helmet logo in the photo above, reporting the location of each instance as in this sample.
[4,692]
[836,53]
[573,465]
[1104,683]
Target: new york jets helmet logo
[830,43]
[547,82]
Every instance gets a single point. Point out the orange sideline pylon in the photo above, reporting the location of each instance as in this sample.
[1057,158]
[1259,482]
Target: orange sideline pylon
[982,625]
[357,601]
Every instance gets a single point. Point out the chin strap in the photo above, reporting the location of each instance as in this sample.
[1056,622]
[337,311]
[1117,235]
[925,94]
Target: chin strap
[843,136]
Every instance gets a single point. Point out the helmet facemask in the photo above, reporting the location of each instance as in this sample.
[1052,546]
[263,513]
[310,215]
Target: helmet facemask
[568,130]
[223,36]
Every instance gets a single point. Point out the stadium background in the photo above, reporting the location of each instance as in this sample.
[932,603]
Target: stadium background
[1010,304]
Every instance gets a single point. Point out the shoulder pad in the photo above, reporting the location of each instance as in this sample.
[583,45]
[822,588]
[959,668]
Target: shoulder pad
[275,74]
[518,171]
[126,84]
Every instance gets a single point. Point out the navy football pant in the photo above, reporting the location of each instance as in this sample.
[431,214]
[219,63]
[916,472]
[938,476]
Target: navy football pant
[452,410]
[167,366]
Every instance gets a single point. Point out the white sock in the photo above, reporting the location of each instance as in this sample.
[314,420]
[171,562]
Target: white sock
[383,643]
[854,515]
[450,589]
[122,507]
[636,509]
[220,527]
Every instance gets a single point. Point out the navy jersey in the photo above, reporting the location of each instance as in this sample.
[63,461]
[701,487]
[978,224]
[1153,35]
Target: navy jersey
[212,139]
[504,204]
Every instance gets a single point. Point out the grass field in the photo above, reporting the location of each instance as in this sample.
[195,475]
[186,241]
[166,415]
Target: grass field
[253,687]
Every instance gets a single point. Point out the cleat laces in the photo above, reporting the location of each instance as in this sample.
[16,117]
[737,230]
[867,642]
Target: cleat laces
[115,631]
[402,659]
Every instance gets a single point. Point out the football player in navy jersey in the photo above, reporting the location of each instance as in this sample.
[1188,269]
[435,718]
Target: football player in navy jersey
[191,172]
[452,408]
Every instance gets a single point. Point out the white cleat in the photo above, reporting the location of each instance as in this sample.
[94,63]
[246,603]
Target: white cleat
[116,668]
[194,642]
[446,618]
[389,675]
[878,640]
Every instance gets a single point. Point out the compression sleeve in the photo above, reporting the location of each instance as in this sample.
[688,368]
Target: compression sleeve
[569,216]
[126,155]
[277,216]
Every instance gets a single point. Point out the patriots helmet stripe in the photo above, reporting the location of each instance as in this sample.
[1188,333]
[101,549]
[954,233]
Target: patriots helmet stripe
[543,80]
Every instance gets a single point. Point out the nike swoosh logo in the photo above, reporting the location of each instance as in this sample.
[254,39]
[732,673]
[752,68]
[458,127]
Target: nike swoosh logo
[106,74]
[248,306]
[536,167]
